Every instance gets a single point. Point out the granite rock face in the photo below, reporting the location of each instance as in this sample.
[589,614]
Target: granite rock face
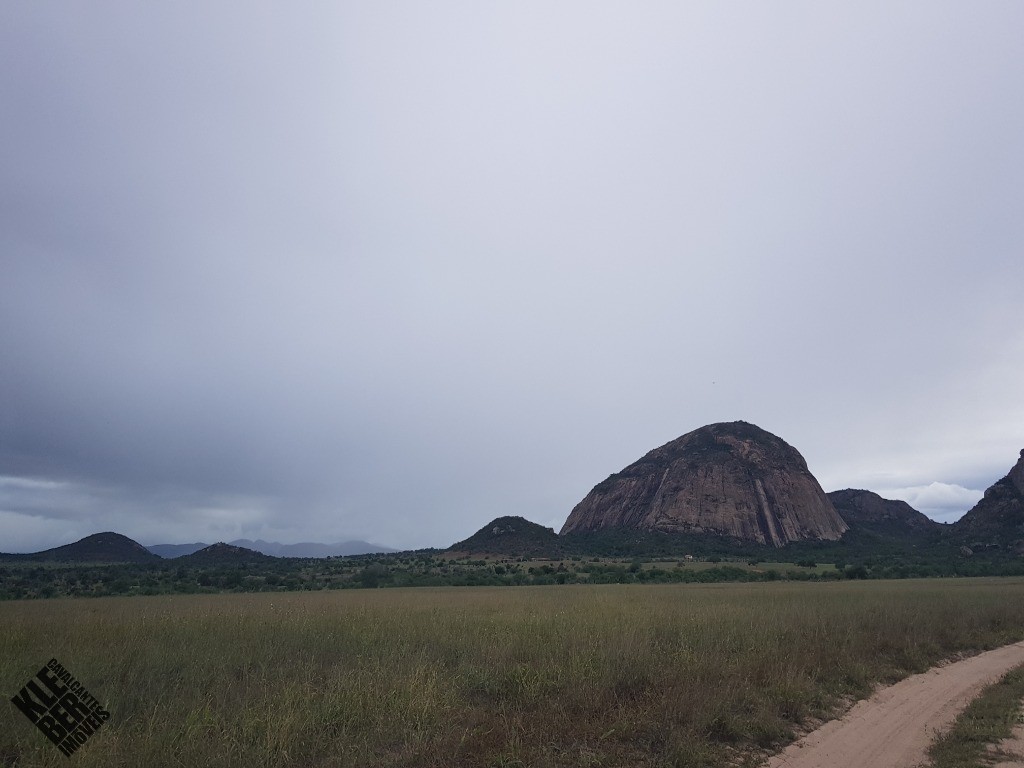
[731,479]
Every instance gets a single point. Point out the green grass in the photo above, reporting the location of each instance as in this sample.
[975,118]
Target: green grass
[986,721]
[670,563]
[763,566]
[609,675]
[673,564]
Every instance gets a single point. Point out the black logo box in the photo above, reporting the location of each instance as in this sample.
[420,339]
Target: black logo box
[61,707]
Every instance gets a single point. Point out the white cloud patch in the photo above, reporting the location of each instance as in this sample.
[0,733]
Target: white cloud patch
[945,502]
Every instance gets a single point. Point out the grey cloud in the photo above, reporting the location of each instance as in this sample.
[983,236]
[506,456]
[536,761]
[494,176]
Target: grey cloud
[391,271]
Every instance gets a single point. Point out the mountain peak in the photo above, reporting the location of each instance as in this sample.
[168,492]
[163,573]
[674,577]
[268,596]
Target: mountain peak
[105,547]
[221,552]
[729,478]
[1017,474]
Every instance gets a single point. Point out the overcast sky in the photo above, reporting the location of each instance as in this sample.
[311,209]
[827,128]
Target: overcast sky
[388,270]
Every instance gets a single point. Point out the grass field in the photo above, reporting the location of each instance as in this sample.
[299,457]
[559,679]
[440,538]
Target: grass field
[611,675]
[694,565]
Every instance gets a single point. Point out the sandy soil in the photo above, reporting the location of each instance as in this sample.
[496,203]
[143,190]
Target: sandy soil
[894,727]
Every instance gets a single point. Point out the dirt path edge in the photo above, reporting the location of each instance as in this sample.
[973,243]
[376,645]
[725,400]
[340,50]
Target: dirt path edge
[894,727]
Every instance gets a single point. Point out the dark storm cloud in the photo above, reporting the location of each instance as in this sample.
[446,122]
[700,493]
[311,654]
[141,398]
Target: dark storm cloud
[390,271]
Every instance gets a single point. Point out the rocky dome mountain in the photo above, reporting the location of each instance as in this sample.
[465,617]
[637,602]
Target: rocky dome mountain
[867,510]
[731,479]
[510,536]
[106,547]
[998,519]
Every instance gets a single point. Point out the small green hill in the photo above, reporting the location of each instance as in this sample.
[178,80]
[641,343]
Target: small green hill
[106,547]
[221,553]
[511,537]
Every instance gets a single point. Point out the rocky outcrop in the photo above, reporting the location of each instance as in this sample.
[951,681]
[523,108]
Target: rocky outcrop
[1016,476]
[999,517]
[511,536]
[869,511]
[731,479]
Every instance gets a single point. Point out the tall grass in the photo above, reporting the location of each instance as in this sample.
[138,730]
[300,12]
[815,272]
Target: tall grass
[669,675]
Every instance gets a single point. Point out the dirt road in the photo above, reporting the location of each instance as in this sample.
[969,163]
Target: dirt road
[894,727]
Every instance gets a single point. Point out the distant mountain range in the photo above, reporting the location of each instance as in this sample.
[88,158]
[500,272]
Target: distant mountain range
[275,549]
[110,547]
[722,483]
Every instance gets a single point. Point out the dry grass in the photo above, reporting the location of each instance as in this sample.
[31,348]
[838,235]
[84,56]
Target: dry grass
[668,675]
